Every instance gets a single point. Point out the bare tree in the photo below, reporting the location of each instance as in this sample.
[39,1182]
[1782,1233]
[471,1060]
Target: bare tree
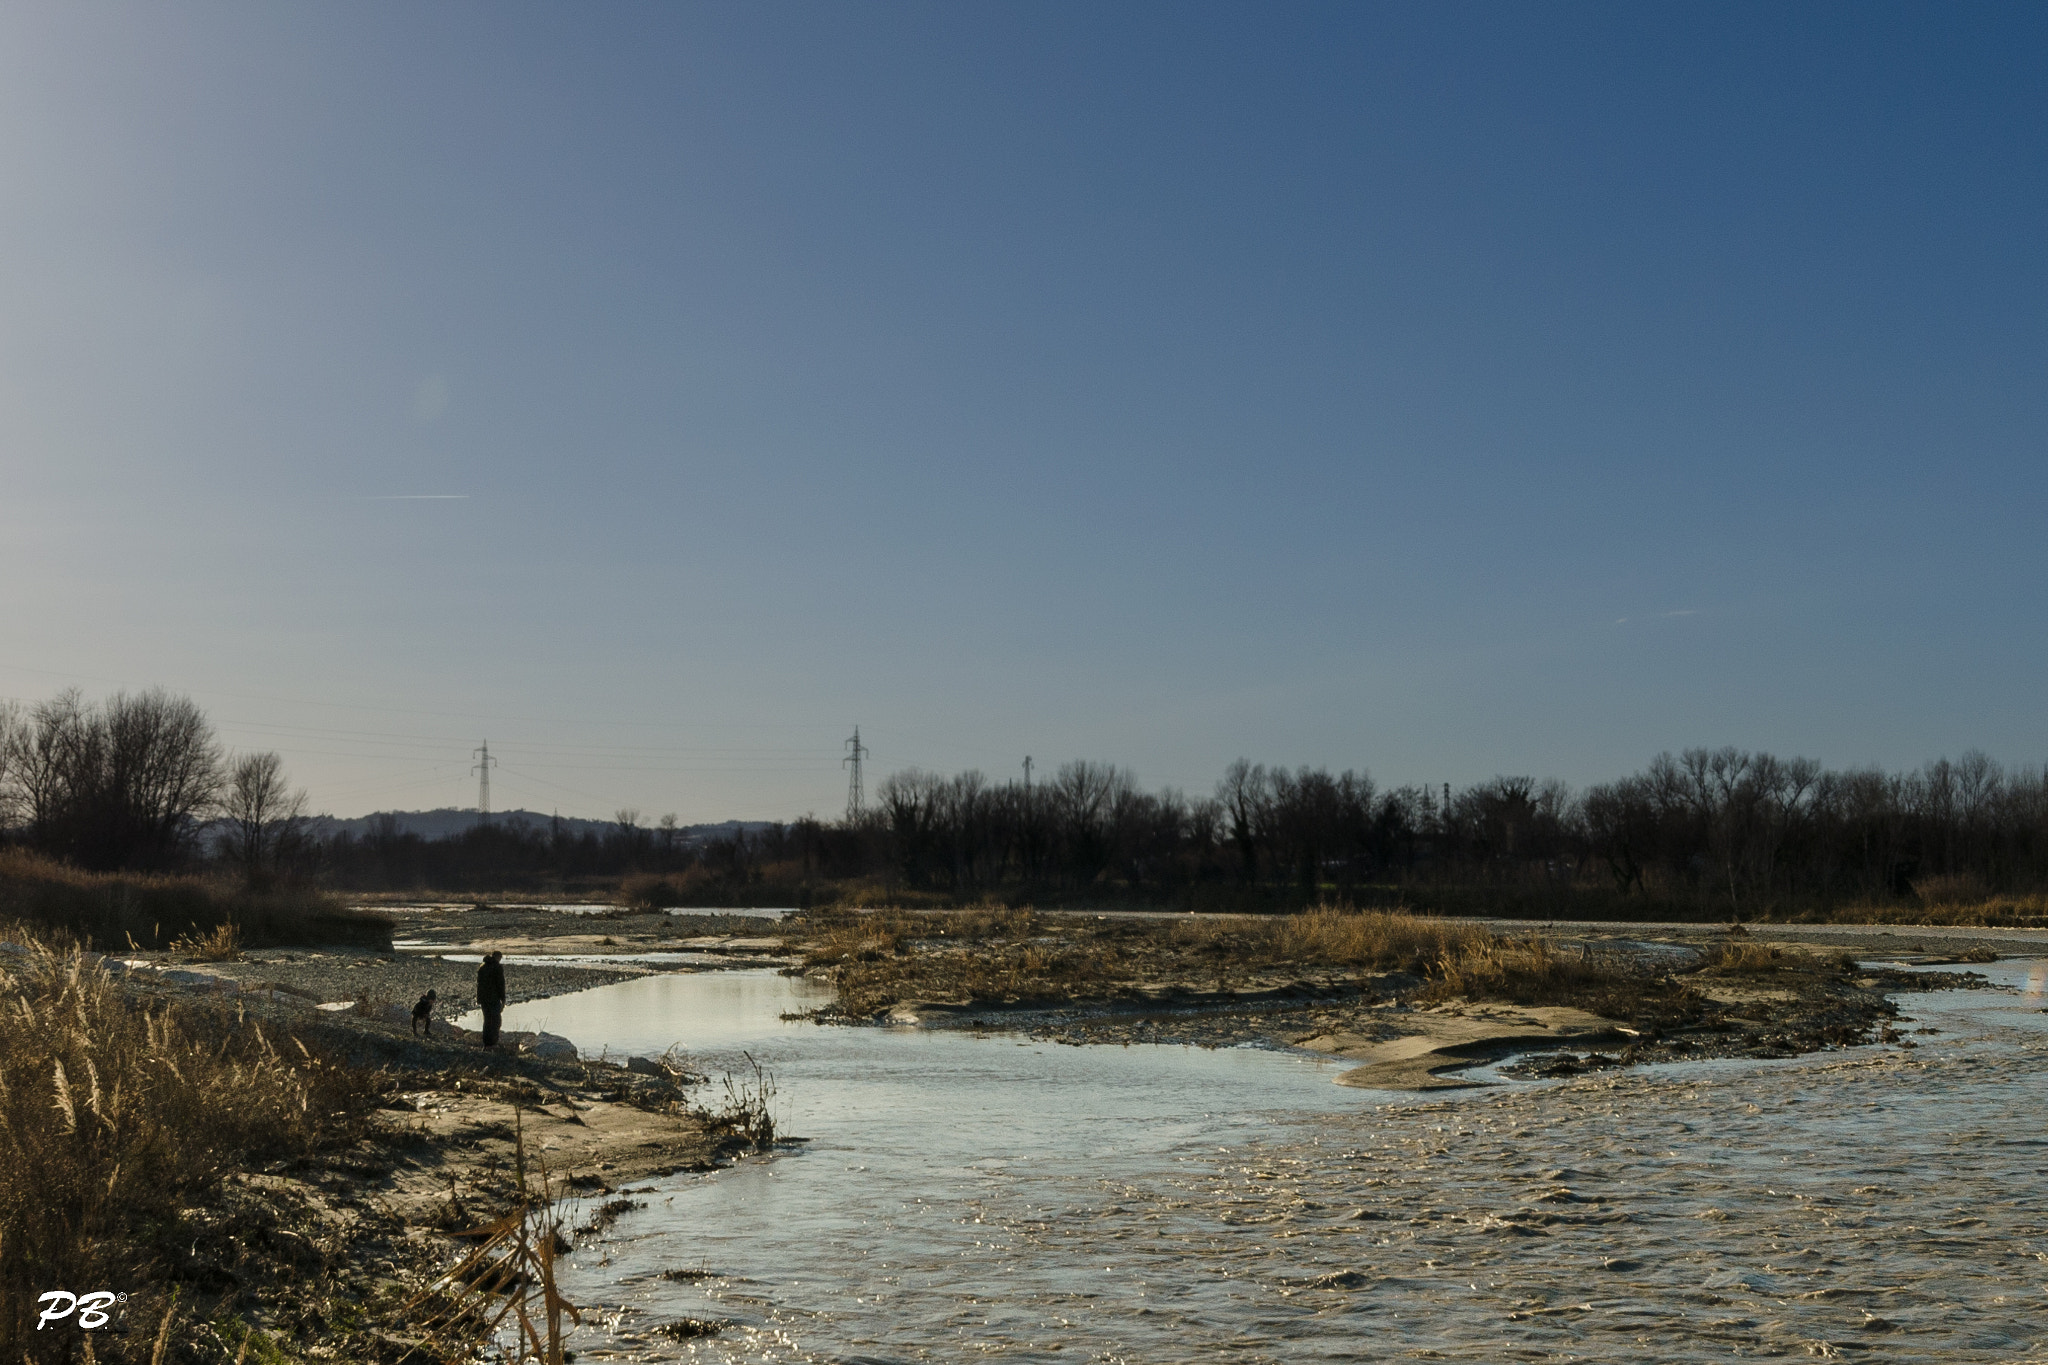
[121,784]
[912,804]
[163,770]
[11,722]
[1245,797]
[46,760]
[626,835]
[264,814]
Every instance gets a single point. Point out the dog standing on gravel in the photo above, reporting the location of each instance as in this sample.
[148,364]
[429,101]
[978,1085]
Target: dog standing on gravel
[423,1015]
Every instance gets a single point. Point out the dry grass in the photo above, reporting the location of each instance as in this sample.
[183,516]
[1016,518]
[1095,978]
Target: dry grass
[109,910]
[834,936]
[1531,971]
[1002,956]
[223,943]
[1747,955]
[864,940]
[114,1116]
[1956,902]
[877,896]
[747,1116]
[1383,940]
[505,1286]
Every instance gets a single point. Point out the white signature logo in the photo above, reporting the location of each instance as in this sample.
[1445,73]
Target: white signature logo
[90,1307]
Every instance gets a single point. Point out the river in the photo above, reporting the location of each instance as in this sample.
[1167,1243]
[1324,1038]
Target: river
[967,1197]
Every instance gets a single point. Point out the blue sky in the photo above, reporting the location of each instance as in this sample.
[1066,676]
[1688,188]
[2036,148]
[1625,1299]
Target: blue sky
[1440,390]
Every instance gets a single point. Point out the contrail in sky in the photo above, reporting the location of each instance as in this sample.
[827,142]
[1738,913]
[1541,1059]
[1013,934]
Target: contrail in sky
[414,497]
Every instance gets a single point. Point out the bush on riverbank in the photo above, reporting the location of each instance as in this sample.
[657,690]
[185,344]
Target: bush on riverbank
[116,1115]
[1980,910]
[702,888]
[108,910]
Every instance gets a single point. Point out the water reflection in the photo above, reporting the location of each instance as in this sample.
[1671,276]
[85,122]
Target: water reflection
[654,957]
[708,1014]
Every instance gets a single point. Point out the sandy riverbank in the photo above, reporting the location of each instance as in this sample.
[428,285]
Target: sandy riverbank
[437,947]
[320,1248]
[1162,985]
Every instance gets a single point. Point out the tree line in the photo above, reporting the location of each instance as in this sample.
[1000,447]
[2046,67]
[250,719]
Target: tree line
[516,854]
[1716,831]
[139,781]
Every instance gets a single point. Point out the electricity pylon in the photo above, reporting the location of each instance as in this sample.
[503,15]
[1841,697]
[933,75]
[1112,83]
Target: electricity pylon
[855,798]
[483,783]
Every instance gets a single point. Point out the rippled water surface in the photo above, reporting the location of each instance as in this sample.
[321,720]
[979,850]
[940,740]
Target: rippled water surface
[982,1197]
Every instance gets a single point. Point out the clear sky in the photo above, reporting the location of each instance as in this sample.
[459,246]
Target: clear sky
[659,390]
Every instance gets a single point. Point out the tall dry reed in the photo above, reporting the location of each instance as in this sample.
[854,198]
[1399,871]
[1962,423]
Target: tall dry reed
[1328,937]
[114,1114]
[1530,971]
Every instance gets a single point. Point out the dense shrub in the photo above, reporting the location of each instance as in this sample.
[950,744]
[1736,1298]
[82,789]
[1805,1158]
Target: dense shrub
[109,910]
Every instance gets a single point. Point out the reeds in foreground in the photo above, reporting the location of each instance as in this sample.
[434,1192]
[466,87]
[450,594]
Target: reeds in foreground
[115,1114]
[506,1282]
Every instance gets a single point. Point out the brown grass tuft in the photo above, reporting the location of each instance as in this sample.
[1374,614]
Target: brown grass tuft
[223,943]
[1528,971]
[1748,956]
[1382,940]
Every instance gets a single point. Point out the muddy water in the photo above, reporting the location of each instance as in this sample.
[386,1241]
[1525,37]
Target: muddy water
[968,1198]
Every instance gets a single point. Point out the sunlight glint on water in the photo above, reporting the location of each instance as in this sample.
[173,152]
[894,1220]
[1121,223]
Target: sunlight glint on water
[967,1197]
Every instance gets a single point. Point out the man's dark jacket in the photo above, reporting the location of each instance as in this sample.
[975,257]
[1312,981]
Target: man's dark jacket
[490,984]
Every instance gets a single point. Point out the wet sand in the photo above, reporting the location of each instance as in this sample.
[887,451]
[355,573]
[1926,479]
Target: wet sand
[1449,1038]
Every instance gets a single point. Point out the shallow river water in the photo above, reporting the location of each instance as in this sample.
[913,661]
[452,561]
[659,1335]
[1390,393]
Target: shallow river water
[984,1197]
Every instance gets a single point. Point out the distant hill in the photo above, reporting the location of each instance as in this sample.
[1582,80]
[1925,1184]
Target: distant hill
[449,821]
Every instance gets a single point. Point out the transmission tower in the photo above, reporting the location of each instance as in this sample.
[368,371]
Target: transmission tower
[855,799]
[482,769]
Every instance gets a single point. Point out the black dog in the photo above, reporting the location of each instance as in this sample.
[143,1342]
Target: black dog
[423,1015]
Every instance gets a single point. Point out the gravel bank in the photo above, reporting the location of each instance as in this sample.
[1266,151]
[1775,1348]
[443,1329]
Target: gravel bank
[332,975]
[429,933]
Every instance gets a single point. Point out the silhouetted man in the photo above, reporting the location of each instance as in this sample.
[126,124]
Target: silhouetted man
[490,995]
